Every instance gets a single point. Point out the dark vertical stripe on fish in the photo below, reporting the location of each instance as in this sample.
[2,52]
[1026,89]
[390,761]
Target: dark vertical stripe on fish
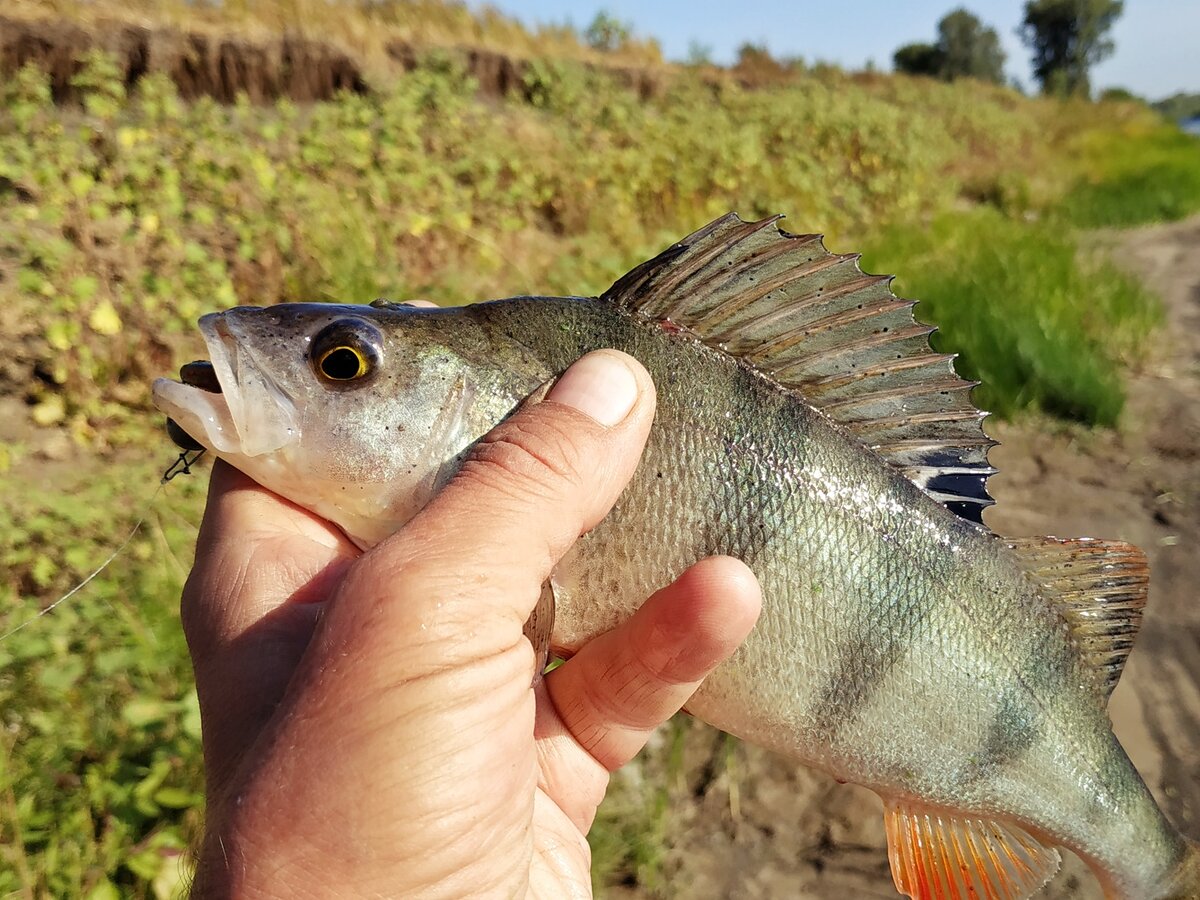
[1015,728]
[864,661]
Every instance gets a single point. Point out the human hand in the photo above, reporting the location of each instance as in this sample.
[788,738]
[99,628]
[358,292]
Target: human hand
[398,748]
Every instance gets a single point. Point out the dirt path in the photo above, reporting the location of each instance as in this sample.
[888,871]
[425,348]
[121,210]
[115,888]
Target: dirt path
[763,829]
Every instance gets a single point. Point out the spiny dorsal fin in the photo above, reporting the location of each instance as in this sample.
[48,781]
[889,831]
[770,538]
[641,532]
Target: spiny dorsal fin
[934,855]
[815,323]
[1101,588]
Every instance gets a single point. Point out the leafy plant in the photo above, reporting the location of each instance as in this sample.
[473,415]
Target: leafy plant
[1040,327]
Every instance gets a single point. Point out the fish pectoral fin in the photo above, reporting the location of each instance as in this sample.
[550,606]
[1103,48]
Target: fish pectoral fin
[538,628]
[1100,587]
[936,855]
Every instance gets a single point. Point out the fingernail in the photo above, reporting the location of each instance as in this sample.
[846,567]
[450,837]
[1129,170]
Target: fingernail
[600,385]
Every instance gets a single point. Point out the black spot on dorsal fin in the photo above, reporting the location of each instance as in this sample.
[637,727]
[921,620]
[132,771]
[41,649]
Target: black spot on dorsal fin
[815,323]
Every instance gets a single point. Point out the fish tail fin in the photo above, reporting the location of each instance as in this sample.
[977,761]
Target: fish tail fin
[1184,880]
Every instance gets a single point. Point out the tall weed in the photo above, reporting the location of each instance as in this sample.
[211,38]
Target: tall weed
[1148,175]
[1041,326]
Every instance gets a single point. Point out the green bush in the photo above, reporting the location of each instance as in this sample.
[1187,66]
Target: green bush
[1147,176]
[100,778]
[1039,326]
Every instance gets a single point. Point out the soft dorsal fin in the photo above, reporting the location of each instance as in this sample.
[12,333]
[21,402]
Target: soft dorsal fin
[814,323]
[1101,588]
[934,855]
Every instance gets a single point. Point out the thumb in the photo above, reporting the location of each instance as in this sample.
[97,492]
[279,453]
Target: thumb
[463,576]
[553,470]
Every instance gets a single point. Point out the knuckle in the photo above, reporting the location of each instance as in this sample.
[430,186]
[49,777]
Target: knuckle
[213,588]
[540,455]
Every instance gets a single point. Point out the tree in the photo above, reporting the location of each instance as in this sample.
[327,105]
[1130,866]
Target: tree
[699,54]
[607,32]
[969,49]
[965,48]
[1067,38]
[918,59]
[756,64]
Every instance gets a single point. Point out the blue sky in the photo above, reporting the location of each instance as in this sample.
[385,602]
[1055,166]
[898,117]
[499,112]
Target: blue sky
[1158,41]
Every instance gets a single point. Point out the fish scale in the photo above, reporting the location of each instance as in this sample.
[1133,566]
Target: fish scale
[804,426]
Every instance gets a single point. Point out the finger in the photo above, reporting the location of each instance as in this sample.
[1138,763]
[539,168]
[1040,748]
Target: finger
[249,606]
[241,572]
[619,687]
[526,492]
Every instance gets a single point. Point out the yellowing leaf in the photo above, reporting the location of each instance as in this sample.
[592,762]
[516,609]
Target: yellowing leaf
[420,224]
[104,319]
[60,334]
[50,411]
[174,878]
[104,890]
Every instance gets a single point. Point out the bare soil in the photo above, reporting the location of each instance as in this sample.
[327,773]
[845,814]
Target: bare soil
[762,828]
[263,67]
[200,64]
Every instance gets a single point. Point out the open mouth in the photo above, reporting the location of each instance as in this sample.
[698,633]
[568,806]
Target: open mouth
[202,375]
[231,405]
[198,413]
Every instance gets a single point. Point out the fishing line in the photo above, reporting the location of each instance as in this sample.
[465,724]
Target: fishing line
[181,466]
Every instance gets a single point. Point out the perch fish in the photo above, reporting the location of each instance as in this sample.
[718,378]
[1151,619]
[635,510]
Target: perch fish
[805,426]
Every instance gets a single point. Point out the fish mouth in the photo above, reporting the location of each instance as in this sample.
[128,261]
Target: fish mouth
[208,407]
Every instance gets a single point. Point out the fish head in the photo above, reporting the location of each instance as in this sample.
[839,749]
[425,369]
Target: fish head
[356,413]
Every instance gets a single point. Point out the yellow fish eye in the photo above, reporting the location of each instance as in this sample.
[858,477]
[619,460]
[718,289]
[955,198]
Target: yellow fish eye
[346,354]
[343,363]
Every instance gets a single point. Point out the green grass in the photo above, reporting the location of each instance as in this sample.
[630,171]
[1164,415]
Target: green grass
[100,785]
[1042,327]
[1151,176]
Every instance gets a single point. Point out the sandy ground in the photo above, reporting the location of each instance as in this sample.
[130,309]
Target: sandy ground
[761,828]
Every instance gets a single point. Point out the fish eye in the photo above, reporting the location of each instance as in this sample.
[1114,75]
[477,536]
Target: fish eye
[343,364]
[345,352]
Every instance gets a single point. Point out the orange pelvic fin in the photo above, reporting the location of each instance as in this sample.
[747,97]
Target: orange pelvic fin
[935,856]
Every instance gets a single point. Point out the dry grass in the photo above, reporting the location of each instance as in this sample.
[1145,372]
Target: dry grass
[363,28]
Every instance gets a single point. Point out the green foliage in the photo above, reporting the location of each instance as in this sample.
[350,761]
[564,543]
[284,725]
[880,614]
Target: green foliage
[128,222]
[1119,95]
[1152,175]
[133,218]
[100,83]
[607,33]
[965,48]
[756,66]
[1067,38]
[1180,106]
[1039,327]
[101,789]
[699,54]
[918,59]
[969,48]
